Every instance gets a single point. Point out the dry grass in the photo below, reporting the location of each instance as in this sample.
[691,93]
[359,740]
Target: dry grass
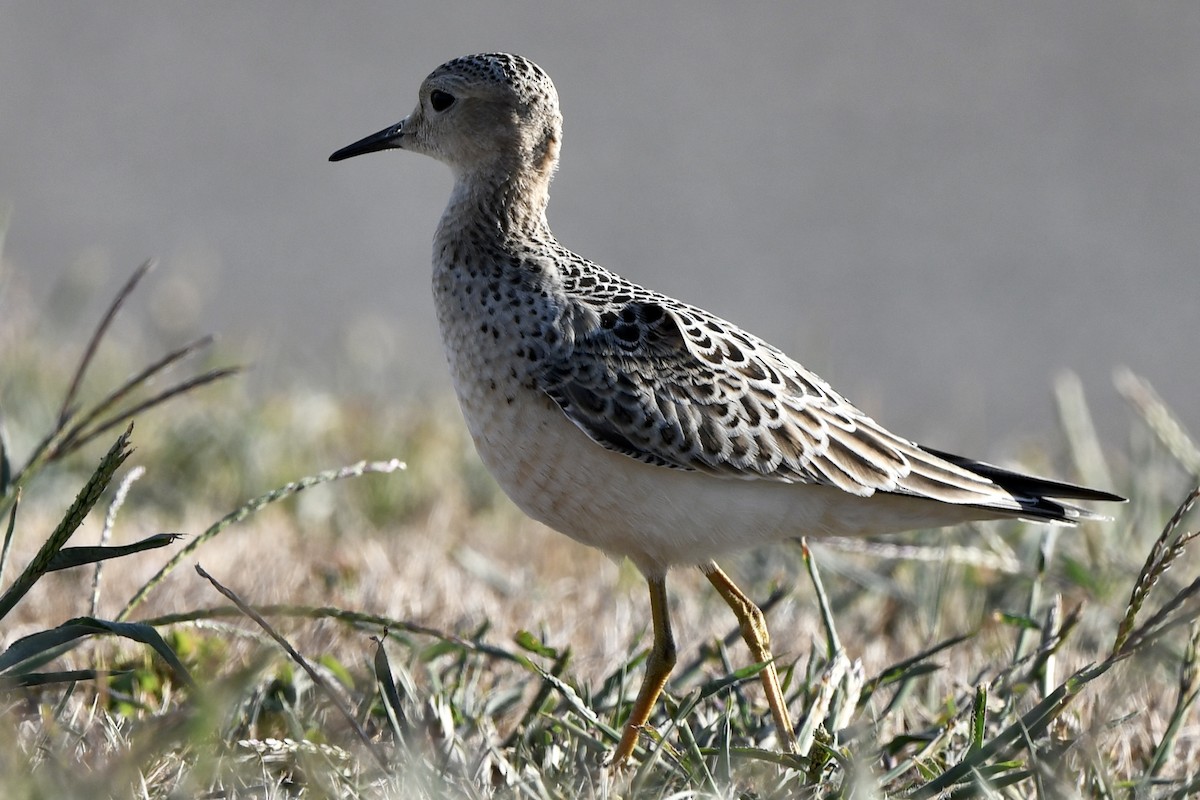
[1014,661]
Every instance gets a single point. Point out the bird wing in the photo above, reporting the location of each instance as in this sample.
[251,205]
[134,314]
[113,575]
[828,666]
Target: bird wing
[672,385]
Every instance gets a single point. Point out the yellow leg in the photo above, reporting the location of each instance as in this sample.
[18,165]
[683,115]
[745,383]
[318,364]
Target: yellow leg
[658,667]
[754,631]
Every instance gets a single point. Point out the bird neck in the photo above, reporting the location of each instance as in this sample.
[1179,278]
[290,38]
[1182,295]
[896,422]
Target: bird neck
[515,201]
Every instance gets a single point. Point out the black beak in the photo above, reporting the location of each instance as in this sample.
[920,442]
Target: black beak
[386,139]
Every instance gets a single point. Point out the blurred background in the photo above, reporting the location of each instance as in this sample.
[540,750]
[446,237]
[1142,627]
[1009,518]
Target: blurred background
[938,206]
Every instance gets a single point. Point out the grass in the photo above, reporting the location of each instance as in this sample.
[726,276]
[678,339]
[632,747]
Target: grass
[372,631]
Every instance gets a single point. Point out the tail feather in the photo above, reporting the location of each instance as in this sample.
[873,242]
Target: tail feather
[1033,493]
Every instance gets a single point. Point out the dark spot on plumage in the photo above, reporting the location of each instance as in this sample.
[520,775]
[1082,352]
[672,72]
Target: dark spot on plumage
[588,400]
[763,396]
[740,448]
[607,320]
[794,385]
[860,469]
[627,333]
[612,439]
[734,352]
[753,415]
[791,447]
[742,337]
[710,436]
[652,312]
[762,445]
[753,370]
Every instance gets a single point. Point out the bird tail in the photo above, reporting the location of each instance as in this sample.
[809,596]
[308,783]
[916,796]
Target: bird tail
[1040,498]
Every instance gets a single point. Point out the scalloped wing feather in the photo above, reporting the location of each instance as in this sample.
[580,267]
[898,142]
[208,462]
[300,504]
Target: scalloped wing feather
[672,385]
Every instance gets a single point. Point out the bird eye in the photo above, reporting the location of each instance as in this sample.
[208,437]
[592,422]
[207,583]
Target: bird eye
[440,100]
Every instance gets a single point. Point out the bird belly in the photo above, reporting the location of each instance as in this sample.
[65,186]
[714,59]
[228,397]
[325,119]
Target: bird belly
[658,517]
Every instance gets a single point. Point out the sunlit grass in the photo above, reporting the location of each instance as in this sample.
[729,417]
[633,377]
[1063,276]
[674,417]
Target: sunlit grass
[378,632]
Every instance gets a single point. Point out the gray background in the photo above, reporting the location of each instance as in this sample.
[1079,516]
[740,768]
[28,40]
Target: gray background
[936,205]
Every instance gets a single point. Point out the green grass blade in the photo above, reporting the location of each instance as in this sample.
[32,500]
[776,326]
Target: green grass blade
[903,670]
[1188,692]
[1032,723]
[832,643]
[1166,548]
[6,549]
[66,410]
[79,509]
[70,438]
[70,557]
[393,702]
[31,679]
[41,643]
[5,463]
[78,439]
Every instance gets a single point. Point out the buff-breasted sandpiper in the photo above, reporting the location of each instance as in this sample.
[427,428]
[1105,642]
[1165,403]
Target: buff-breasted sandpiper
[634,422]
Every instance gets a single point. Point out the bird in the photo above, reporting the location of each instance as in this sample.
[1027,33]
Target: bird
[639,424]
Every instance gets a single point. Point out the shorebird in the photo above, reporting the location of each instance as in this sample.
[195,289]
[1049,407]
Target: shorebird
[634,422]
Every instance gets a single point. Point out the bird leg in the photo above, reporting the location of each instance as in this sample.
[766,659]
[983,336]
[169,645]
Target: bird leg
[754,631]
[658,667]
